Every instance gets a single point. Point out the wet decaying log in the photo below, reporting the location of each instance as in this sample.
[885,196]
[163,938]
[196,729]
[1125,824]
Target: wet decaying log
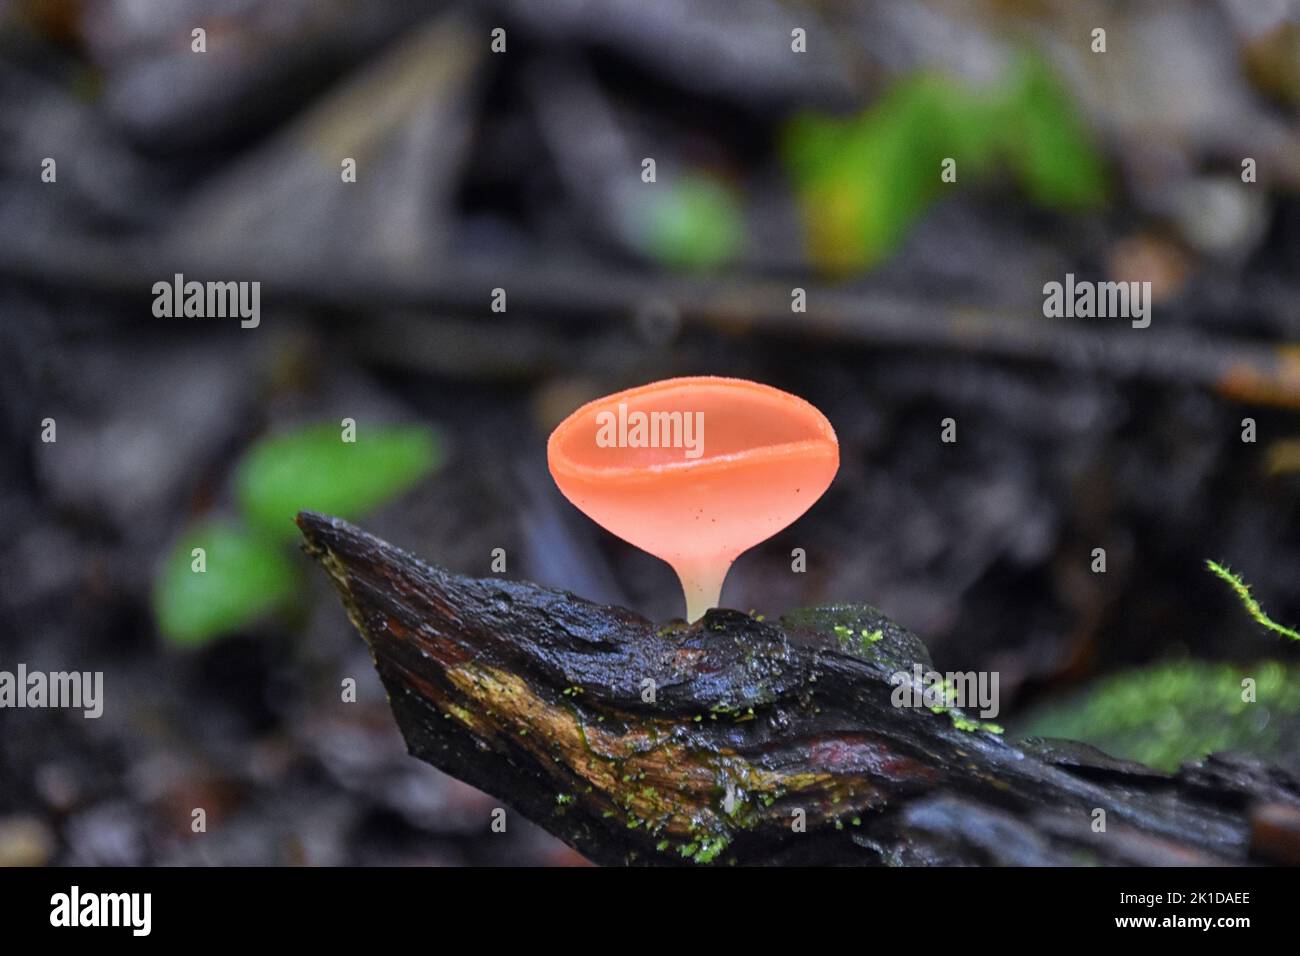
[542,699]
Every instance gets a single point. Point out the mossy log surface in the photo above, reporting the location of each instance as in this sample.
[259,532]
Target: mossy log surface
[542,700]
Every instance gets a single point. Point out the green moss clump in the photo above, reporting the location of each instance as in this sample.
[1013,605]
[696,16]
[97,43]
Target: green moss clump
[710,849]
[1182,710]
[866,633]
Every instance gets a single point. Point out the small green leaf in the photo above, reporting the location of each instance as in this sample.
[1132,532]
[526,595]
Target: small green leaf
[1052,153]
[314,469]
[695,223]
[863,181]
[243,578]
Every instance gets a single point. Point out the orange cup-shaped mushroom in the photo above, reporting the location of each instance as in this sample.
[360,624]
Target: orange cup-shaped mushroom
[695,471]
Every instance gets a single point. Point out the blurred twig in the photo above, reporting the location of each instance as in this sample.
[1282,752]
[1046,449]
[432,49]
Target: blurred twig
[1246,371]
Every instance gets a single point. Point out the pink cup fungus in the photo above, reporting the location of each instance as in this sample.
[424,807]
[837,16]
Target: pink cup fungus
[695,471]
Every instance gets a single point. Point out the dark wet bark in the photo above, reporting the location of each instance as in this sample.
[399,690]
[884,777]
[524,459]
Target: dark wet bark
[543,700]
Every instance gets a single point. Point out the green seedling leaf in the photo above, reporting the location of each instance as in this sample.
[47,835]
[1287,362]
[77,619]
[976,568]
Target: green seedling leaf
[695,223]
[237,578]
[1052,156]
[863,181]
[315,469]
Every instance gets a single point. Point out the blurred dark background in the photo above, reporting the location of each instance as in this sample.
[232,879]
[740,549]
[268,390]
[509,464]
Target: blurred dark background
[522,170]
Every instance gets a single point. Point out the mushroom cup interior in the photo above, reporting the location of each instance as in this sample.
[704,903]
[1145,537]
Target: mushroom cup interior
[687,423]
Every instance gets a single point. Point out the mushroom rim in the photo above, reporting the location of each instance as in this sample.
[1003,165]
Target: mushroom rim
[823,445]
